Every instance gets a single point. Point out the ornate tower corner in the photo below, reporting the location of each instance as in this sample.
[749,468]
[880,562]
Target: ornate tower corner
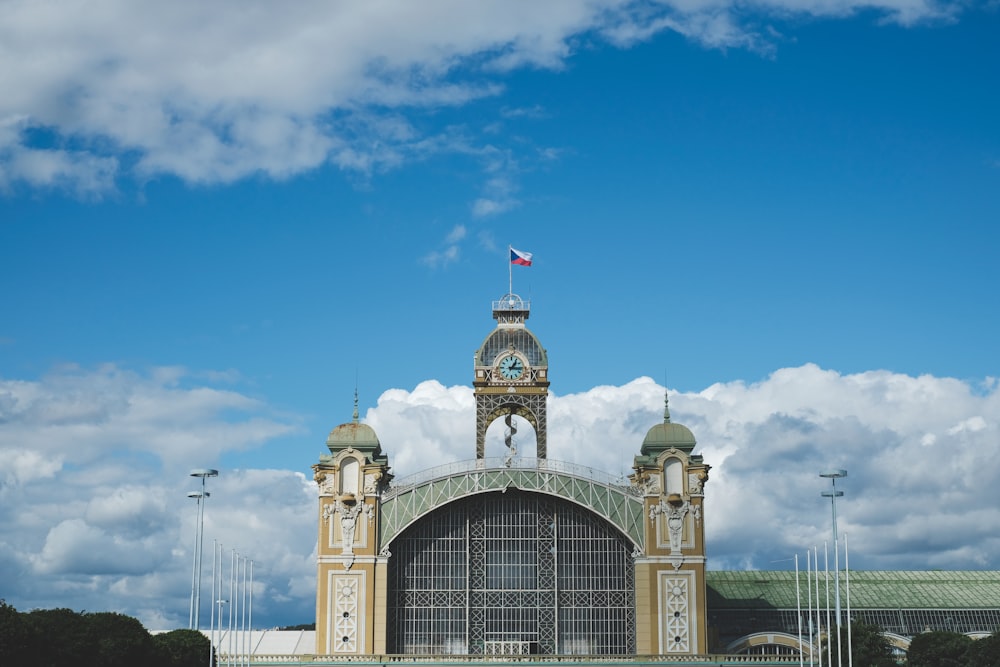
[511,375]
[671,614]
[350,603]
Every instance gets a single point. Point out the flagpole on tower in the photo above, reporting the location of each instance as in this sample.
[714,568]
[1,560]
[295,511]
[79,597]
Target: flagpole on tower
[510,270]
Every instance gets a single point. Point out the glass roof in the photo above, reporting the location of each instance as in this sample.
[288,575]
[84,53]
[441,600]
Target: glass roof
[503,338]
[869,589]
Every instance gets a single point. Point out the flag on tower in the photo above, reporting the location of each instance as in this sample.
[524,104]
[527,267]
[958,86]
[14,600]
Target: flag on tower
[520,257]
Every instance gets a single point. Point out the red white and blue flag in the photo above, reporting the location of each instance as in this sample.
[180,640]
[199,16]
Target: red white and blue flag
[520,257]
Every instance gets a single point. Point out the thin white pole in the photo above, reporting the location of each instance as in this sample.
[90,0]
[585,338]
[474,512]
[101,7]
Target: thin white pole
[194,567]
[201,543]
[809,595]
[250,615]
[211,623]
[819,618]
[798,608]
[836,574]
[243,614]
[829,627]
[218,602]
[847,584]
[510,270]
[232,603]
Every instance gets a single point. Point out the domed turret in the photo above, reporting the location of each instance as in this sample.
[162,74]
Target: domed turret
[667,435]
[355,435]
[511,376]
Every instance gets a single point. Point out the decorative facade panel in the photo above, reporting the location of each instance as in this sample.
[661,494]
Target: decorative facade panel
[346,632]
[678,632]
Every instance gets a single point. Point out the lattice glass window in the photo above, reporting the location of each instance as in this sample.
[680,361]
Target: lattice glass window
[501,340]
[513,571]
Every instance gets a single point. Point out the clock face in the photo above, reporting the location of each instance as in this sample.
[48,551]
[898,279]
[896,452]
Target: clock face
[511,367]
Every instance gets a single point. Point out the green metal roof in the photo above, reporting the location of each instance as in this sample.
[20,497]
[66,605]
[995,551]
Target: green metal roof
[869,589]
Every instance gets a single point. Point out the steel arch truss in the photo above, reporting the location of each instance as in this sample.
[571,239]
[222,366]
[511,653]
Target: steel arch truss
[490,407]
[617,504]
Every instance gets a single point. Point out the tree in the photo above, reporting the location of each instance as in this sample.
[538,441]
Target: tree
[120,641]
[181,648]
[66,638]
[938,649]
[870,648]
[302,626]
[60,637]
[15,636]
[984,652]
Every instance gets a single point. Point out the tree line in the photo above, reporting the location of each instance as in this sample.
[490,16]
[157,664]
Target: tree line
[928,649]
[66,638]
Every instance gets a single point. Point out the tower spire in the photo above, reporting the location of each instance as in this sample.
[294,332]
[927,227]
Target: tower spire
[355,418]
[666,407]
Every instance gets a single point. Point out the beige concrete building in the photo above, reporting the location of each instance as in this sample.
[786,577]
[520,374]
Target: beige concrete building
[517,554]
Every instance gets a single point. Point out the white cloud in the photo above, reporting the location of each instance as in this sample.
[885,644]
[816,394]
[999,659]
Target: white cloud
[105,524]
[450,253]
[93,479]
[456,234]
[919,451]
[214,92]
[110,409]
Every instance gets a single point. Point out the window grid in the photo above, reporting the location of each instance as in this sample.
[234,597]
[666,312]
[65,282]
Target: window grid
[509,570]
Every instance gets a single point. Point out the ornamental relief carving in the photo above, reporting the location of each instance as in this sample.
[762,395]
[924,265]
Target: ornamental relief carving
[348,515]
[373,482]
[327,482]
[652,484]
[696,482]
[675,513]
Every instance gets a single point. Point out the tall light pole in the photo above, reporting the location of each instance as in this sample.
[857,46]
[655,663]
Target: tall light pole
[833,494]
[201,497]
[197,495]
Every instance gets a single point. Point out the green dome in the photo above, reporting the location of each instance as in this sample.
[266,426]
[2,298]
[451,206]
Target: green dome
[664,436]
[667,435]
[353,434]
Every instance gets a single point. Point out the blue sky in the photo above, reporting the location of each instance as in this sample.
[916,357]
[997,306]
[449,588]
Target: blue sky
[234,217]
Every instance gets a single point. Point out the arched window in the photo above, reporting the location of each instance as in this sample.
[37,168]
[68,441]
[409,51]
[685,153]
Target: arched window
[349,470]
[512,572]
[674,473]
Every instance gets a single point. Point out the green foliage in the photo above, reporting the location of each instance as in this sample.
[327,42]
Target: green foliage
[869,646]
[181,648]
[984,652]
[15,636]
[303,626]
[65,638]
[119,640]
[61,637]
[938,649]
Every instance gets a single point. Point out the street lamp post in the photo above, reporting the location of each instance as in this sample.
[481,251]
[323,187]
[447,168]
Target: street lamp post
[201,497]
[833,494]
[197,495]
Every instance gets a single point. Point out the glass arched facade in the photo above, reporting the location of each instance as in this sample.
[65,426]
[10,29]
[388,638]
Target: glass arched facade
[511,573]
[520,339]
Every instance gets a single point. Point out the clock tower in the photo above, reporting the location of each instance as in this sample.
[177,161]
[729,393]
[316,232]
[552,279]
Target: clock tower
[511,375]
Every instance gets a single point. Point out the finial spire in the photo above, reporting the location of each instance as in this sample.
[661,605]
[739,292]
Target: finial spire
[355,405]
[666,407]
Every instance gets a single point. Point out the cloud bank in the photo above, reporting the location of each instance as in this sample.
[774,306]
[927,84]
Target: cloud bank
[93,467]
[221,91]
